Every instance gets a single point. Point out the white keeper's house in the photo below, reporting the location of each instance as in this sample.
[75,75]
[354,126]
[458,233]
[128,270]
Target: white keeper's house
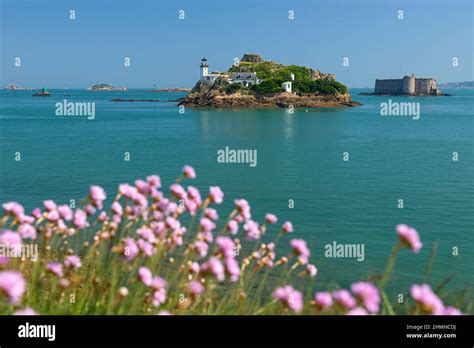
[245,78]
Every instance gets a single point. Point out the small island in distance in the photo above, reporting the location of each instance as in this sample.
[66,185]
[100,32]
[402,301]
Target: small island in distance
[14,87]
[256,83]
[105,87]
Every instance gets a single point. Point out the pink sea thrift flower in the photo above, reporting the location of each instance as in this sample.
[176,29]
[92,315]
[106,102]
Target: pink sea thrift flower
[154,181]
[130,250]
[97,195]
[52,215]
[214,267]
[287,227]
[49,205]
[194,194]
[147,234]
[195,288]
[243,208]
[368,295]
[451,311]
[11,240]
[142,186]
[212,214]
[36,213]
[311,270]
[27,231]
[159,297]
[73,261]
[252,230]
[56,268]
[344,298]
[158,283]
[191,206]
[207,225]
[25,311]
[233,227]
[429,302]
[178,191]
[65,212]
[226,246]
[117,208]
[12,285]
[189,172]
[216,195]
[146,247]
[409,237]
[145,275]
[201,248]
[300,248]
[90,209]
[290,297]
[127,190]
[357,311]
[194,267]
[13,208]
[323,300]
[26,219]
[80,218]
[232,268]
[271,219]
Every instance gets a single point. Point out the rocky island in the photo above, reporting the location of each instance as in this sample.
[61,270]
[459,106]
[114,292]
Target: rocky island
[105,87]
[14,87]
[256,83]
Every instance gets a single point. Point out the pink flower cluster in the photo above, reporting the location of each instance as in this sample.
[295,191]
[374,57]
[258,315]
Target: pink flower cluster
[409,237]
[366,299]
[429,302]
[155,283]
[13,285]
[289,297]
[144,228]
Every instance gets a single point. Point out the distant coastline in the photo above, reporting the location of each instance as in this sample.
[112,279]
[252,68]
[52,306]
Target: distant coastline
[464,84]
[171,89]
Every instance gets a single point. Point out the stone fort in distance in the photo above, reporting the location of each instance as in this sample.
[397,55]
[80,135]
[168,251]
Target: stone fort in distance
[408,85]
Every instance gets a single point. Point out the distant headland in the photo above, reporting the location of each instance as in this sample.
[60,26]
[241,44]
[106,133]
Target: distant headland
[408,85]
[255,83]
[105,87]
[14,87]
[171,89]
[464,84]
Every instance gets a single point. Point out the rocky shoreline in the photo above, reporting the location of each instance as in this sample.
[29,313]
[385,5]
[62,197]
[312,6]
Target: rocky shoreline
[257,83]
[206,96]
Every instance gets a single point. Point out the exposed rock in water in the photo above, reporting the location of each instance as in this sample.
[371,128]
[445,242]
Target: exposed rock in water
[215,96]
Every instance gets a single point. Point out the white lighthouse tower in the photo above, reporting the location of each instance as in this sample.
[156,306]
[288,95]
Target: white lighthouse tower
[204,69]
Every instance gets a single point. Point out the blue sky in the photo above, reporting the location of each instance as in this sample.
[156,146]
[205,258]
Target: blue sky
[164,50]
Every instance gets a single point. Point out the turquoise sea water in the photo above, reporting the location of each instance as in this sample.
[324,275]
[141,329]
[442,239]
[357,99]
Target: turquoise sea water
[299,158]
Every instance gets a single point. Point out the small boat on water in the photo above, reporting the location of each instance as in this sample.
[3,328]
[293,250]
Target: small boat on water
[43,93]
